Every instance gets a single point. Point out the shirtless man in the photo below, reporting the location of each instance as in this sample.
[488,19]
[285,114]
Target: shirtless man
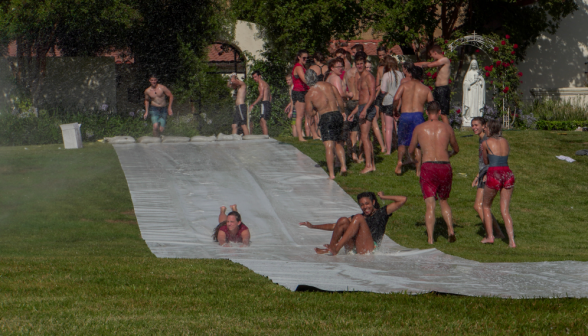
[413,94]
[436,174]
[364,231]
[442,93]
[352,102]
[325,99]
[240,115]
[265,97]
[335,70]
[156,105]
[366,85]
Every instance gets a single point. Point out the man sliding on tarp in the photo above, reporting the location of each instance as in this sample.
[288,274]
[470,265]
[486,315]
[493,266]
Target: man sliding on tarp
[362,232]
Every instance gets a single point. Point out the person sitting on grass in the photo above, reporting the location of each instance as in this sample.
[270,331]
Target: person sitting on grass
[362,232]
[230,228]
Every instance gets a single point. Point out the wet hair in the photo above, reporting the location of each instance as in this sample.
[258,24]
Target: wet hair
[481,120]
[433,107]
[334,61]
[436,48]
[381,48]
[391,64]
[340,51]
[311,77]
[318,56]
[358,47]
[494,127]
[416,72]
[221,224]
[153,76]
[407,66]
[256,72]
[348,57]
[300,52]
[369,195]
[361,56]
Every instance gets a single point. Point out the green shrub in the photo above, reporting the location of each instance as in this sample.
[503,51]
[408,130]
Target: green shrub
[556,110]
[555,125]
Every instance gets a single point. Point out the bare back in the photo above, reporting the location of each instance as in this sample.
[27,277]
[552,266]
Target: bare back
[264,89]
[498,146]
[434,136]
[323,97]
[414,95]
[351,80]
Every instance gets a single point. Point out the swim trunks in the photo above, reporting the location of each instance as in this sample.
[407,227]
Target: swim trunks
[331,126]
[436,179]
[500,177]
[483,172]
[350,126]
[388,110]
[266,110]
[442,94]
[298,96]
[406,125]
[371,112]
[240,115]
[238,238]
[379,99]
[158,115]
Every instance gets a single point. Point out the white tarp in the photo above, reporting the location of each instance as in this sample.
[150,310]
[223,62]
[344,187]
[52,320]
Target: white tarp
[177,190]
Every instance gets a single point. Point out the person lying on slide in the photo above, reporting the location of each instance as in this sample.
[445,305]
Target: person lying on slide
[230,228]
[364,231]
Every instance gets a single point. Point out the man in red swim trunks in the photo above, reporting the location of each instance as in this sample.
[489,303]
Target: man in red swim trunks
[436,174]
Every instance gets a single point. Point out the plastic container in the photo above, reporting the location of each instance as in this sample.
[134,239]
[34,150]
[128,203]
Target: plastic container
[72,137]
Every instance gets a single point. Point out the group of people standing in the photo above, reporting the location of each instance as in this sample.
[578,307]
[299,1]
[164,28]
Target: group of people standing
[341,100]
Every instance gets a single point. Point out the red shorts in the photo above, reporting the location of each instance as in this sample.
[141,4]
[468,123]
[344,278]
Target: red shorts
[500,177]
[436,179]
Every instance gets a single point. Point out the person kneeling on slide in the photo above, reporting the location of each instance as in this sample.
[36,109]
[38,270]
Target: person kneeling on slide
[230,228]
[364,231]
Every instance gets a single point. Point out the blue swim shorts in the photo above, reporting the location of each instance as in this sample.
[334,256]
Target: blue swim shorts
[158,115]
[406,124]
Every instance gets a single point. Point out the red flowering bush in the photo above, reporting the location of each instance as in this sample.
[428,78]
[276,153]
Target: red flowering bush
[505,90]
[503,42]
[496,49]
[520,74]
[515,46]
[487,74]
[512,52]
[498,62]
[507,36]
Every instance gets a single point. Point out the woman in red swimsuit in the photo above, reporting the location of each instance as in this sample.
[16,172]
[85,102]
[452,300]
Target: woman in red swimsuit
[298,92]
[230,228]
[499,178]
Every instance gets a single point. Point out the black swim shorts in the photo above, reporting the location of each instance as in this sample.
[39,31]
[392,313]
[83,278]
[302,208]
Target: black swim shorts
[388,110]
[371,112]
[266,110]
[442,94]
[298,96]
[352,126]
[379,99]
[240,115]
[331,126]
[481,175]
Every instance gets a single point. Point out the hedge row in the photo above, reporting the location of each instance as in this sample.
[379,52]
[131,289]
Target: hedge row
[560,125]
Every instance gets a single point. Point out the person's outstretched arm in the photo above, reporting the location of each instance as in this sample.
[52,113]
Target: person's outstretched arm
[398,202]
[453,143]
[326,227]
[222,238]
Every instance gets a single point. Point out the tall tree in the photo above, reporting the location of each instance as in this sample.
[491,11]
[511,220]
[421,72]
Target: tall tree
[80,27]
[416,21]
[290,25]
[169,24]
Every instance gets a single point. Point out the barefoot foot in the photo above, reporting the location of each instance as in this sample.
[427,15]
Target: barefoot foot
[512,244]
[398,169]
[321,251]
[234,207]
[301,140]
[487,240]
[452,238]
[223,209]
[367,170]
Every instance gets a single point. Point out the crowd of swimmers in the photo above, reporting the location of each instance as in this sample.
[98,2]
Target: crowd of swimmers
[341,100]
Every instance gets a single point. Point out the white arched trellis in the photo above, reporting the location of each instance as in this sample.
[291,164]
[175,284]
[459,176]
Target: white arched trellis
[474,40]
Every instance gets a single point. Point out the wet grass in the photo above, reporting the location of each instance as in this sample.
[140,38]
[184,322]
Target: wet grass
[549,205]
[72,260]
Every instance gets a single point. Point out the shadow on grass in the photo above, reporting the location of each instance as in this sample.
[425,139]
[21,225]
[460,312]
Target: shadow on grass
[440,228]
[482,231]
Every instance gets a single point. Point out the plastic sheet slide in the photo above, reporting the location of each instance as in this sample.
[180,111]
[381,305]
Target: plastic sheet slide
[177,190]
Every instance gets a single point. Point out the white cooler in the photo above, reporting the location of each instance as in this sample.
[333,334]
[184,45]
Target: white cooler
[72,138]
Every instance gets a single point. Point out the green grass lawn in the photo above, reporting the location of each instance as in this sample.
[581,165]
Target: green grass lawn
[72,260]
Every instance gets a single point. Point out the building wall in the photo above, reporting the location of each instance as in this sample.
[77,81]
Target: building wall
[247,38]
[86,83]
[558,61]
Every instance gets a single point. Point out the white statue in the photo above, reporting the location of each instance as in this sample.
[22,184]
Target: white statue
[474,94]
